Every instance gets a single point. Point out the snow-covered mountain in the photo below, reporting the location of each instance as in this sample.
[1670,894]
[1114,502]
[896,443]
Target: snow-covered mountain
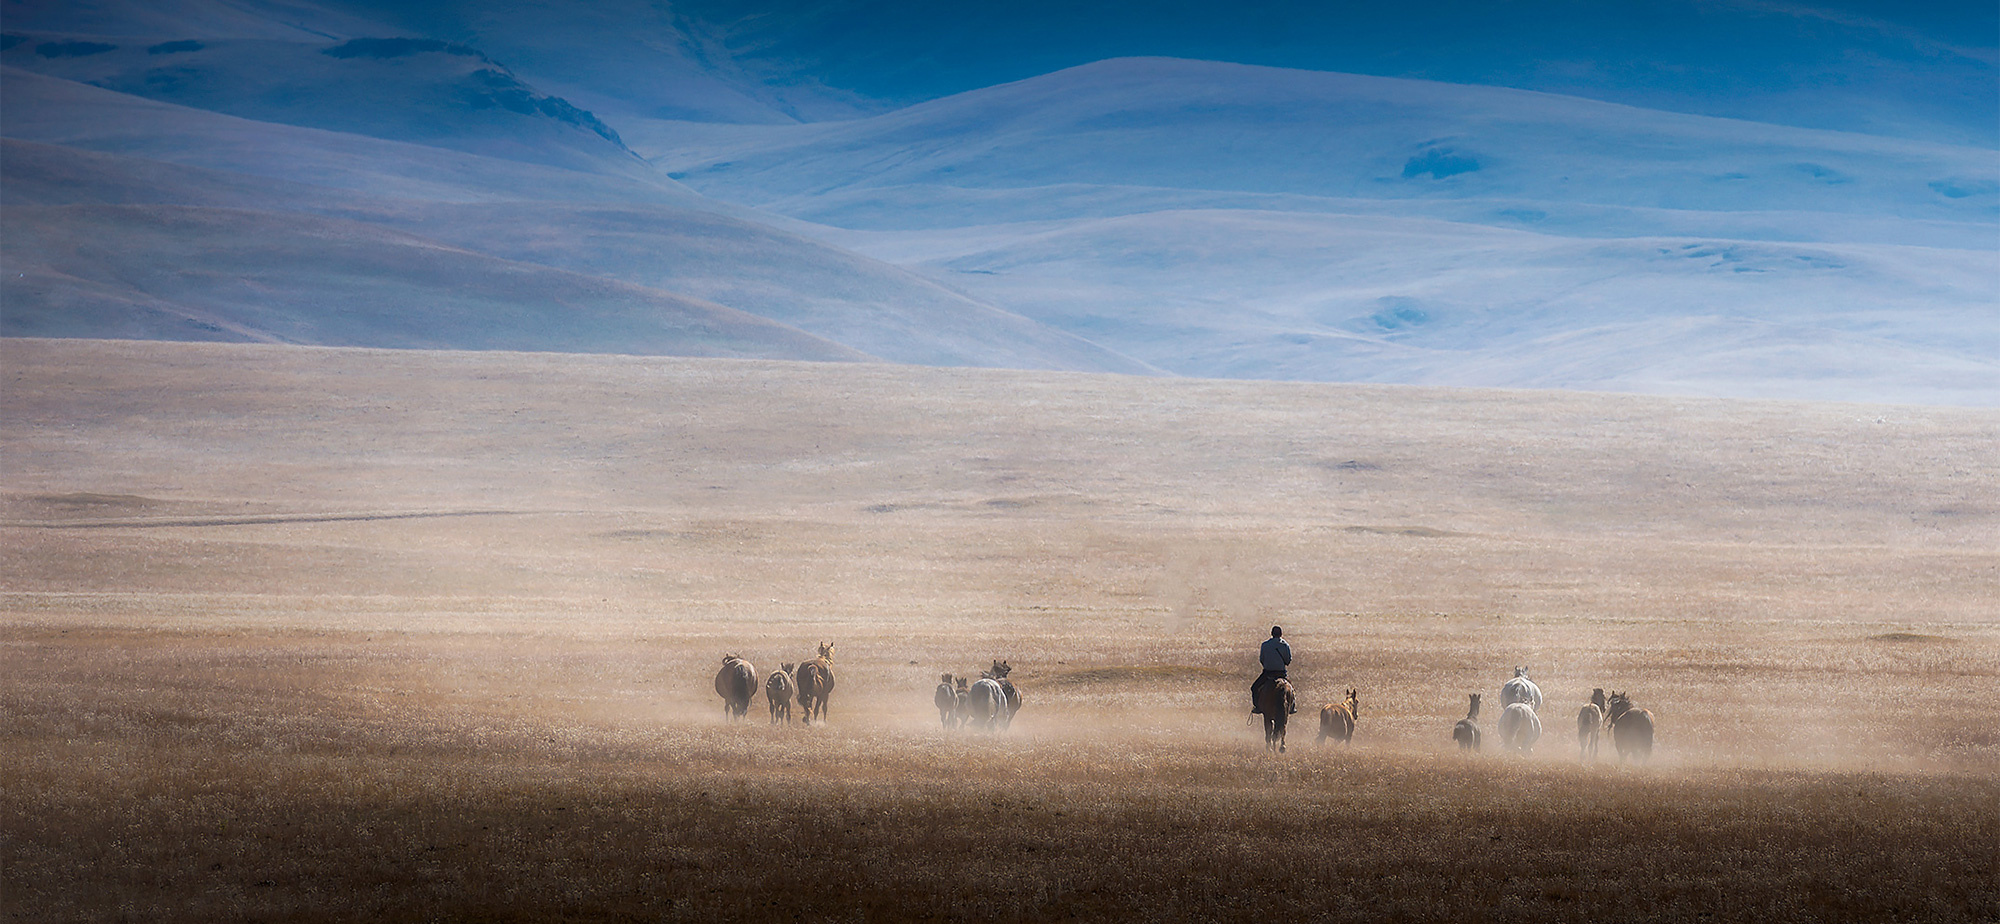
[1224,220]
[733,178]
[455,222]
[1909,70]
[1190,125]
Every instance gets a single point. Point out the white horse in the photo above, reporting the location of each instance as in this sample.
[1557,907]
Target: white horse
[1520,728]
[985,704]
[1520,690]
[999,674]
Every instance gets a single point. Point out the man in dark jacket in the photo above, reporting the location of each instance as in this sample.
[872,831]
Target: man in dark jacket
[1276,655]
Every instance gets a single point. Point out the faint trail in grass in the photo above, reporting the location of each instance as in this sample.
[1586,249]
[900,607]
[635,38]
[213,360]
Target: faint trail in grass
[255,519]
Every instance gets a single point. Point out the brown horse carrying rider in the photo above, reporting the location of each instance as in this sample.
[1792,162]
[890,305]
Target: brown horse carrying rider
[1276,655]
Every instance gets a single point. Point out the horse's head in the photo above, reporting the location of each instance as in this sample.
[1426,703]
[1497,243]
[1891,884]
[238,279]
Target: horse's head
[1353,704]
[1520,672]
[1619,705]
[826,650]
[962,683]
[946,680]
[1001,668]
[730,657]
[790,667]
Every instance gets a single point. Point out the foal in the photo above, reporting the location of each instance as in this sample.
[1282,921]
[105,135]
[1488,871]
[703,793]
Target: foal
[1466,732]
[1589,724]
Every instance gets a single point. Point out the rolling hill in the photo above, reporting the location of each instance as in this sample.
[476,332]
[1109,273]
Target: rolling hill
[1142,214]
[407,89]
[1191,125]
[1899,69]
[1220,220]
[196,273]
[74,144]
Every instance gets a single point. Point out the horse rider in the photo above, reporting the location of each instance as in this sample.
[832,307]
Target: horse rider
[1276,655]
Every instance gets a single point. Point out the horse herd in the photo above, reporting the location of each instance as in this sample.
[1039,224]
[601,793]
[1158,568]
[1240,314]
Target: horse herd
[1631,729]
[986,704]
[990,703]
[1520,726]
[810,683]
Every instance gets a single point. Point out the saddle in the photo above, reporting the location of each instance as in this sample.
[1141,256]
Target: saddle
[1291,699]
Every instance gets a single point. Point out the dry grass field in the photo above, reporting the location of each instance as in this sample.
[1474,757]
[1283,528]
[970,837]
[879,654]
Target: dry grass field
[295,634]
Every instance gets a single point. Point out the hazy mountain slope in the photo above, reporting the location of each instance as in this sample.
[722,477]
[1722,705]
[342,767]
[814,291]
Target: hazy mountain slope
[1353,297]
[650,233]
[936,210]
[629,59]
[1924,70]
[1205,218]
[176,272]
[1202,125]
[422,90]
[286,20]
[624,60]
[47,174]
[38,108]
[1738,356]
[837,294]
[1220,220]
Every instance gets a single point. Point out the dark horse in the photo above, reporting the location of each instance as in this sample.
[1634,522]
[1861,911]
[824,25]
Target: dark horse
[1466,732]
[737,683]
[1631,729]
[1276,703]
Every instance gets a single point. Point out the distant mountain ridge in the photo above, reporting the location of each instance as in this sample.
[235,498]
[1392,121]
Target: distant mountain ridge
[1174,124]
[798,291]
[422,90]
[1928,71]
[1227,220]
[622,176]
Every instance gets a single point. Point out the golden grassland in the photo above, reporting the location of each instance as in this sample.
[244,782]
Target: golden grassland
[299,634]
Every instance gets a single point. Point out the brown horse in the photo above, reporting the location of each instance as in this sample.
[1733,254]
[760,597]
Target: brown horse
[1276,703]
[946,699]
[737,683]
[815,679]
[1589,724]
[778,692]
[1631,729]
[1336,720]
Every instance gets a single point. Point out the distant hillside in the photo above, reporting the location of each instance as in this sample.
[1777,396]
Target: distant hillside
[1736,198]
[623,60]
[184,273]
[1170,124]
[407,89]
[53,111]
[1911,70]
[516,271]
[1222,220]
